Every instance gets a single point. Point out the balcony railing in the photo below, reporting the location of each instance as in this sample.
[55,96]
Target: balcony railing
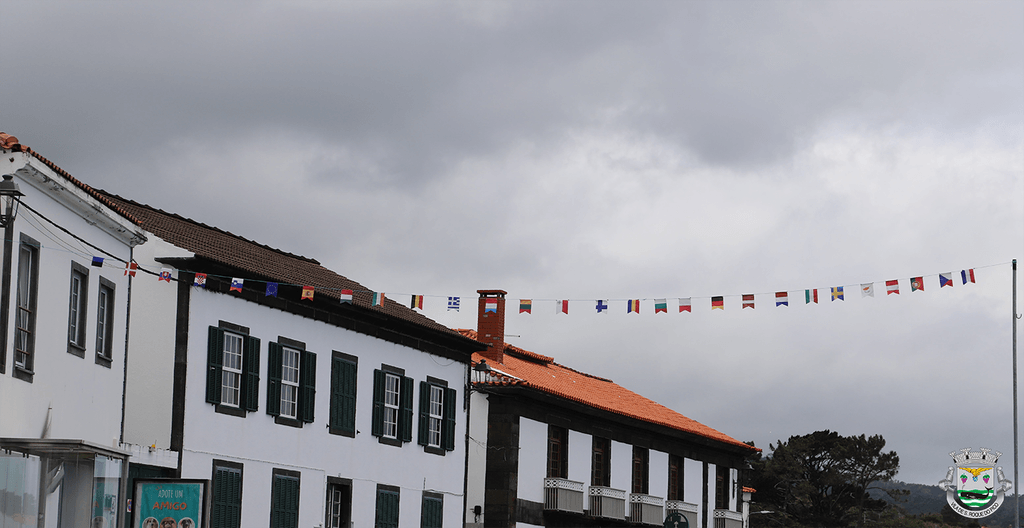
[609,503]
[563,495]
[646,509]
[728,519]
[687,509]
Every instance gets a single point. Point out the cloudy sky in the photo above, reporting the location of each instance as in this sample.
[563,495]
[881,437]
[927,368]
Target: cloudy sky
[598,150]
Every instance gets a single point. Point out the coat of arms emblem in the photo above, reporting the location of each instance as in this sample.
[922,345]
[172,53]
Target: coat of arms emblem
[975,485]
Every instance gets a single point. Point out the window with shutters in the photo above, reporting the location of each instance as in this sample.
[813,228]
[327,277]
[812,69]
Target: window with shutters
[226,510]
[343,394]
[437,416]
[284,499]
[641,475]
[339,503]
[291,383]
[392,406]
[105,323]
[675,477]
[558,452]
[432,510]
[25,314]
[601,468]
[233,369]
[387,507]
[721,488]
[77,309]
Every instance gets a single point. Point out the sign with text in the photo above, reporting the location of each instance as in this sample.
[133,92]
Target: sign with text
[169,503]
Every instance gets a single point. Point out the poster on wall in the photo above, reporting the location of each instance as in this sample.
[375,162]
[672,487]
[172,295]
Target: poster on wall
[169,503]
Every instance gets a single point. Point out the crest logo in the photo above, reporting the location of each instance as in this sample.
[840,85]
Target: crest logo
[975,485]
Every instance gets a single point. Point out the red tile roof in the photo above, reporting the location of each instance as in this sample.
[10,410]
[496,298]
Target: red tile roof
[528,369]
[9,142]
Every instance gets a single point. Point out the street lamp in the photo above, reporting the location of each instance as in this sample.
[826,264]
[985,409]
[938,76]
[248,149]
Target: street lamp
[10,195]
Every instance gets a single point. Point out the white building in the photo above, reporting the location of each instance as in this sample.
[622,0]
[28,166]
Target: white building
[302,412]
[63,316]
[553,446]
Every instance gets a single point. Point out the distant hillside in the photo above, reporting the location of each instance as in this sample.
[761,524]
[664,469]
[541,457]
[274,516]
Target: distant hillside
[925,499]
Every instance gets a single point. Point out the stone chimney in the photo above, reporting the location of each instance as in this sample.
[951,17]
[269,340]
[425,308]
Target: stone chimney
[490,324]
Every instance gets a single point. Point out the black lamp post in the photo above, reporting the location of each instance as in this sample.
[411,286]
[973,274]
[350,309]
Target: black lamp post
[10,195]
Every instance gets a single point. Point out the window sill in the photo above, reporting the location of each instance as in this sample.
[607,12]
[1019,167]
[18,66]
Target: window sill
[434,450]
[102,360]
[290,422]
[23,373]
[389,441]
[76,349]
[230,411]
[341,432]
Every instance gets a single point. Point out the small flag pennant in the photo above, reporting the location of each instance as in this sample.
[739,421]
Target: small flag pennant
[130,268]
[892,286]
[633,306]
[453,304]
[916,283]
[378,298]
[562,306]
[748,300]
[490,305]
[660,305]
[867,289]
[837,293]
[165,275]
[684,305]
[345,296]
[811,296]
[967,275]
[271,290]
[200,280]
[236,284]
[718,303]
[416,302]
[97,261]
[946,279]
[601,306]
[526,306]
[781,299]
[307,293]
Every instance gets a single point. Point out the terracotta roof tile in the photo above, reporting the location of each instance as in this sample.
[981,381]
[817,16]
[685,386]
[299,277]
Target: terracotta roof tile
[543,374]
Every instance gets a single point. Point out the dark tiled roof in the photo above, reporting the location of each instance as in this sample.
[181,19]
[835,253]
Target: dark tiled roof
[260,261]
[542,373]
[9,142]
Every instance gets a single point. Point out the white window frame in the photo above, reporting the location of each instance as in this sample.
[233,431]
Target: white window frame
[231,370]
[79,282]
[290,362]
[436,415]
[392,400]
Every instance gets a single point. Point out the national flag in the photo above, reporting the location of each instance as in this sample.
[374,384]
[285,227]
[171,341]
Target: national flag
[811,296]
[346,296]
[748,300]
[130,268]
[453,304]
[165,275]
[633,306]
[916,283]
[491,305]
[236,284]
[378,298]
[97,261]
[718,303]
[946,279]
[660,305]
[307,293]
[416,302]
[601,306]
[781,299]
[200,280]
[892,286]
[271,290]
[562,306]
[837,293]
[967,275]
[867,289]
[526,306]
[684,305]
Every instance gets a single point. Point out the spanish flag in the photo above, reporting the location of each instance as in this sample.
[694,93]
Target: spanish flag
[307,293]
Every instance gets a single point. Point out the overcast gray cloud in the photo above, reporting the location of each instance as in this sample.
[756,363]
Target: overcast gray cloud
[590,150]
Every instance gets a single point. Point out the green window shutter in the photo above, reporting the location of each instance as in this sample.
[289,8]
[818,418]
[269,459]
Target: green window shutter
[284,511]
[214,362]
[274,353]
[448,424]
[377,428]
[226,511]
[423,436]
[307,386]
[432,513]
[343,395]
[405,410]
[251,379]
[387,509]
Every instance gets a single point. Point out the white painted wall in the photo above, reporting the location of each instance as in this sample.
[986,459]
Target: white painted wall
[581,447]
[622,466]
[533,445]
[693,484]
[658,473]
[712,472]
[478,408]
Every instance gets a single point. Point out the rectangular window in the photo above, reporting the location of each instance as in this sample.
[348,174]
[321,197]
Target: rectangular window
[387,507]
[343,394]
[226,511]
[392,389]
[392,406]
[77,309]
[339,503]
[601,467]
[284,499]
[721,488]
[437,416]
[640,470]
[289,382]
[432,510]
[25,316]
[675,477]
[291,387]
[233,373]
[558,452]
[105,322]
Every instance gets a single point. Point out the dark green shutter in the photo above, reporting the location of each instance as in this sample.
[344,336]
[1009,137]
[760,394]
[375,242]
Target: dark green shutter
[423,435]
[274,353]
[227,498]
[448,424]
[432,513]
[284,511]
[387,509]
[343,395]
[251,379]
[405,413]
[214,363]
[307,386]
[377,429]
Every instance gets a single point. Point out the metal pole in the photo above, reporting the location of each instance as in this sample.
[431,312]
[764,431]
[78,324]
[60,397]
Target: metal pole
[1016,478]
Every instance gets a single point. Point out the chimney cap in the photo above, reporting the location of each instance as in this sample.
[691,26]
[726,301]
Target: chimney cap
[492,293]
